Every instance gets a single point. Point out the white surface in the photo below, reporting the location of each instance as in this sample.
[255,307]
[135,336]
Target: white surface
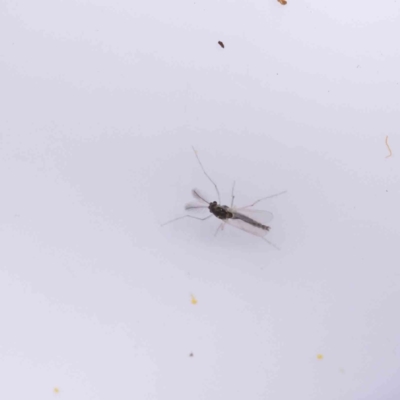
[101,101]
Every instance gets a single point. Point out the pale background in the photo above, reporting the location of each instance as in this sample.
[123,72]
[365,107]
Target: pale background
[101,102]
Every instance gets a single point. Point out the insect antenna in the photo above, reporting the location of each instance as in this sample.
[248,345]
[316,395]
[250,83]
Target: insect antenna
[208,176]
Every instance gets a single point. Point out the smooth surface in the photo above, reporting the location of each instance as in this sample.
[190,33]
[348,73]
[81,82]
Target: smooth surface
[101,102]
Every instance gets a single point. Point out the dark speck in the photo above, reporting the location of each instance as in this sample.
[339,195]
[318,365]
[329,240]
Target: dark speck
[221,44]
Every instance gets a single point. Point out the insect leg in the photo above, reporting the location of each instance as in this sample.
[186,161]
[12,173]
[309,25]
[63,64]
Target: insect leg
[186,216]
[265,198]
[205,173]
[220,228]
[271,244]
[233,196]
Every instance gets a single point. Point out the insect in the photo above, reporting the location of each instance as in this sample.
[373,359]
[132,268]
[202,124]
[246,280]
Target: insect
[244,218]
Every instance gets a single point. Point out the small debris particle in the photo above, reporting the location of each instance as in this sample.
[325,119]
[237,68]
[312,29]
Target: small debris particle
[320,356]
[56,390]
[191,355]
[194,300]
[387,145]
[283,2]
[221,44]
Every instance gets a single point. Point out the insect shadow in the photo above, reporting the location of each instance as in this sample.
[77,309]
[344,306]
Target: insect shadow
[248,219]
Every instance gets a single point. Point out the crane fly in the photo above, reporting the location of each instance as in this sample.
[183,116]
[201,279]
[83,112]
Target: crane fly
[245,218]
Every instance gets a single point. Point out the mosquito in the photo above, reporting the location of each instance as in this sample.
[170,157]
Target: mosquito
[245,218]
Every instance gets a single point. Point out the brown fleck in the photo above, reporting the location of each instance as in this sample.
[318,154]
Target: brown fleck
[221,44]
[283,2]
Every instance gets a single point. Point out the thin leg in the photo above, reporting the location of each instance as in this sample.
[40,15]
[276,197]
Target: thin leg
[205,173]
[220,227]
[271,244]
[186,216]
[265,198]
[233,196]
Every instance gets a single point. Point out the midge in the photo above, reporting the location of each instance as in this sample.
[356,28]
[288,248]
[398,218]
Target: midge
[247,219]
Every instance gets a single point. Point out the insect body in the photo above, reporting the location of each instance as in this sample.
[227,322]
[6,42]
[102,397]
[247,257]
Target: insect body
[242,218]
[245,218]
[221,212]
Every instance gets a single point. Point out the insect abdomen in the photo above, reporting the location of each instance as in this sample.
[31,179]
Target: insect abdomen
[251,222]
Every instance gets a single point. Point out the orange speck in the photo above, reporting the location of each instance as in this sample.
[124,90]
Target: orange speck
[56,390]
[283,2]
[194,300]
[320,356]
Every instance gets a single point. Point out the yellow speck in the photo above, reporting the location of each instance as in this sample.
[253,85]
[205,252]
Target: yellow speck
[320,356]
[56,390]
[388,147]
[194,300]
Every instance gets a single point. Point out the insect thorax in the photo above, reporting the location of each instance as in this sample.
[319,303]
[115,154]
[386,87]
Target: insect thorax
[221,212]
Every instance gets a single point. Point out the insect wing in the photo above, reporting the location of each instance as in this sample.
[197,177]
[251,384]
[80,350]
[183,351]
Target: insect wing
[262,216]
[195,207]
[244,226]
[249,221]
[200,196]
